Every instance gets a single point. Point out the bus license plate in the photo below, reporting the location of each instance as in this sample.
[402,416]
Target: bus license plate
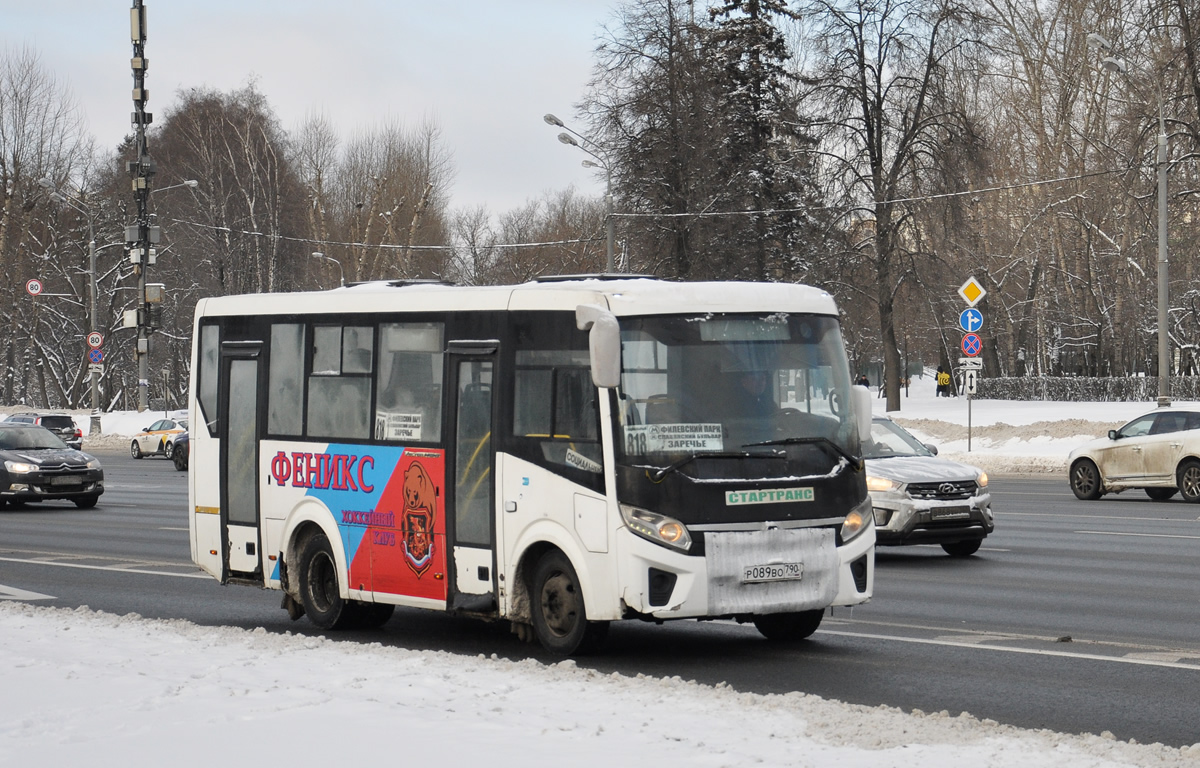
[772,572]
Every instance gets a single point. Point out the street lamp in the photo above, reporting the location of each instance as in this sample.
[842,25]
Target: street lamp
[56,196]
[341,275]
[1114,64]
[600,162]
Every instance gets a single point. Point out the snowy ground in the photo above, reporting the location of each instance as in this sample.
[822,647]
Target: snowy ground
[82,687]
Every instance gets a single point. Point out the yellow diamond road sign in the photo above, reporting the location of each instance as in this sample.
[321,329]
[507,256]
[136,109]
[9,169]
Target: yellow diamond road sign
[972,292]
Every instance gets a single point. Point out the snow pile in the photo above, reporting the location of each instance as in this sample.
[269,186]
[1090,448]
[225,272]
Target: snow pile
[102,690]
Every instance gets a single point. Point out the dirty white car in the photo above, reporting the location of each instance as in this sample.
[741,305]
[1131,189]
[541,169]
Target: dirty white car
[1158,452]
[921,499]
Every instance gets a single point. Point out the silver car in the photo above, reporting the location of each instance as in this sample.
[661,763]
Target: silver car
[921,499]
[1158,452]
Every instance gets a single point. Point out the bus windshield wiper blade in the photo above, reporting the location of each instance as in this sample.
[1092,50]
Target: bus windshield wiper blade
[855,461]
[672,467]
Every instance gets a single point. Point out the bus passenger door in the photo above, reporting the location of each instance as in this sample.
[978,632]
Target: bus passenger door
[471,505]
[239,387]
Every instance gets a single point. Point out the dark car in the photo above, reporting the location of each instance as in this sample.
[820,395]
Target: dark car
[181,451]
[58,423]
[36,465]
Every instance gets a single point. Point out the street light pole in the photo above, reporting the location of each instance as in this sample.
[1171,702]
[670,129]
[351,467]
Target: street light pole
[600,162]
[341,274]
[1114,64]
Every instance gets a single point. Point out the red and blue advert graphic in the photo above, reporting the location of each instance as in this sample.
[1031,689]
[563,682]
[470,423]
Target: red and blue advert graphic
[387,502]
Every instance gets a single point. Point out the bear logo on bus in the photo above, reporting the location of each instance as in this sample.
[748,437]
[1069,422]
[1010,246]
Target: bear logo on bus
[420,507]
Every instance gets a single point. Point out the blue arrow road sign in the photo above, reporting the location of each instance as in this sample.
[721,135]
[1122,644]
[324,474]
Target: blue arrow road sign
[970,320]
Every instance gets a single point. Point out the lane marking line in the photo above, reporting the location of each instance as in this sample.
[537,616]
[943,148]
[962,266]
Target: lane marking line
[12,593]
[1143,535]
[106,568]
[1027,651]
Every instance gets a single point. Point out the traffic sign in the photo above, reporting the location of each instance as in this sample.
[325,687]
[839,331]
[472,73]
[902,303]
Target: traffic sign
[972,345]
[969,380]
[95,356]
[970,320]
[95,339]
[96,368]
[33,287]
[971,291]
[970,362]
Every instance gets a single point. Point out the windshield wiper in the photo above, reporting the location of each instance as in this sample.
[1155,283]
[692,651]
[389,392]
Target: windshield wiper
[855,461]
[664,471]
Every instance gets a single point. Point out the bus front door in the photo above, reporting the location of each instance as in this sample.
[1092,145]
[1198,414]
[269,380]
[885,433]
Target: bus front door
[471,495]
[239,459]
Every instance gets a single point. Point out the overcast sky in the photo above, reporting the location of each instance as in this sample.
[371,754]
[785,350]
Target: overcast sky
[484,70]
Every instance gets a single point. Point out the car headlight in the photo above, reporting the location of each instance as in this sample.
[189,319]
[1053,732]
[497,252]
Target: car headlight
[981,481]
[881,484]
[657,528]
[857,521]
[93,464]
[19,467]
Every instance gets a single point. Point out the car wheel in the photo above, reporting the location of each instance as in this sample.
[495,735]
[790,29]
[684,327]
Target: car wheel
[168,449]
[1085,480]
[1188,480]
[962,548]
[318,582]
[180,460]
[1161,494]
[87,502]
[785,627]
[135,450]
[559,615]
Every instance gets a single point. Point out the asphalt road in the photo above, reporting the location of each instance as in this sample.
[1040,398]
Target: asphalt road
[1074,616]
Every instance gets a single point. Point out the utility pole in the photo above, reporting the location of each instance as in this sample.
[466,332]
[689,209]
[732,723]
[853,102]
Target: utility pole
[141,236]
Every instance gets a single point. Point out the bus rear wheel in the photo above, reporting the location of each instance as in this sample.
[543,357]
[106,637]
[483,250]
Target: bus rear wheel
[559,615]
[318,582]
[786,627]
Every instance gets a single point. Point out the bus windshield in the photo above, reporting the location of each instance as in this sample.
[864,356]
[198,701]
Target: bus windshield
[731,384]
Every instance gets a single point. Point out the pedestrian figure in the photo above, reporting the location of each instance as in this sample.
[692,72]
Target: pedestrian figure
[943,383]
[863,381]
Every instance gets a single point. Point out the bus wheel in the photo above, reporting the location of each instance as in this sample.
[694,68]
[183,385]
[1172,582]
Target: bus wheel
[559,616]
[319,586]
[789,626]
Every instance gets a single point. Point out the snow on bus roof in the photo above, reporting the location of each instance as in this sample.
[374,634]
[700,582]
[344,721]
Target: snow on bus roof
[623,296]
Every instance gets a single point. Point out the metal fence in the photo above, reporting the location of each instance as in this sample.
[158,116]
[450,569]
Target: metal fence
[1083,388]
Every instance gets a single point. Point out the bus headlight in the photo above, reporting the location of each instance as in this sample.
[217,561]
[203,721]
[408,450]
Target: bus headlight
[657,528]
[857,521]
[19,467]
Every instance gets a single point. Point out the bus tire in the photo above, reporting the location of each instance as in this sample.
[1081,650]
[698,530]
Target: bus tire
[559,615]
[787,627]
[318,582]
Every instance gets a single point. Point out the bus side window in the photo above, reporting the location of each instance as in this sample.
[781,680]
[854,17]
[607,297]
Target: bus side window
[555,416]
[285,394]
[409,404]
[208,359]
[339,396]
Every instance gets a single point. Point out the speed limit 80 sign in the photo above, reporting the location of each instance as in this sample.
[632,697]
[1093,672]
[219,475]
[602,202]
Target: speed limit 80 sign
[33,287]
[95,339]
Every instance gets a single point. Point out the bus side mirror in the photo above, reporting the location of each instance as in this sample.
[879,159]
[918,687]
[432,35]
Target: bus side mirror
[862,410]
[604,343]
